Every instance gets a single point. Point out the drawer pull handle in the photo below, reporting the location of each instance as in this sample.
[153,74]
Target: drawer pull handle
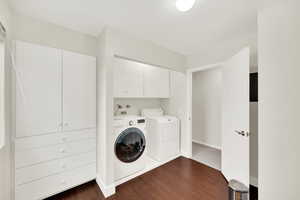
[62,151]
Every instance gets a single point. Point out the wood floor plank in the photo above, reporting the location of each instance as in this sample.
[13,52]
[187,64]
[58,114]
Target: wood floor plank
[180,179]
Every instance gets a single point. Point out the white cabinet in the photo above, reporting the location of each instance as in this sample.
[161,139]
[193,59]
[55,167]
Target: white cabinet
[38,89]
[128,78]
[79,91]
[138,80]
[48,164]
[55,90]
[55,93]
[50,185]
[156,82]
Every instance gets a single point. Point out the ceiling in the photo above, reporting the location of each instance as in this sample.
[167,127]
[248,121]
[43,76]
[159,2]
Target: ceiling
[208,23]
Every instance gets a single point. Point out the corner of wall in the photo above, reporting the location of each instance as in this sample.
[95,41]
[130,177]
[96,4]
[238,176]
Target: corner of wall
[107,190]
[104,111]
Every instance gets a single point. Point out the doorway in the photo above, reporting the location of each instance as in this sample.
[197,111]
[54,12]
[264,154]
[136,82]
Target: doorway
[206,121]
[231,121]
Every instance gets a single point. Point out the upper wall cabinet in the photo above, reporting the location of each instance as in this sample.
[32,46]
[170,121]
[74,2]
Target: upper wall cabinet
[38,89]
[55,90]
[79,91]
[128,78]
[137,80]
[156,82]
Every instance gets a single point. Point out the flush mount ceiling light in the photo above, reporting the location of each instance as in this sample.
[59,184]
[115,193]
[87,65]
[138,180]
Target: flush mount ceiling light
[184,5]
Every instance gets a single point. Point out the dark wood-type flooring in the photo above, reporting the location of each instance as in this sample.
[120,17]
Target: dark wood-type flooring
[180,179]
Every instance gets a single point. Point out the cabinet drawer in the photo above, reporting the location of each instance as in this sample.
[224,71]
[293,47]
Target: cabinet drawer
[53,139]
[51,185]
[34,172]
[39,155]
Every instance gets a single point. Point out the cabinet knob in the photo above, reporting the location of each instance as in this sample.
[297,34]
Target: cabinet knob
[62,150]
[63,166]
[64,139]
[66,124]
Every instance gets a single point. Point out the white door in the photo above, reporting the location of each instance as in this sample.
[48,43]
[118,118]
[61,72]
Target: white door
[128,78]
[79,91]
[235,118]
[38,89]
[156,82]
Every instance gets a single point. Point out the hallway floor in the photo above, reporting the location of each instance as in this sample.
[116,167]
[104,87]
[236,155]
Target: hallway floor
[180,179]
[207,155]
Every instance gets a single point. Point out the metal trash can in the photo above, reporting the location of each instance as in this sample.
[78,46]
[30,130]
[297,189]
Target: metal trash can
[237,190]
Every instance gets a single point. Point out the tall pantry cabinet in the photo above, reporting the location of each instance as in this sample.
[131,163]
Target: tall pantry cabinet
[55,120]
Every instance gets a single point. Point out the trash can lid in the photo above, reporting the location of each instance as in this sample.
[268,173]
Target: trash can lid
[238,186]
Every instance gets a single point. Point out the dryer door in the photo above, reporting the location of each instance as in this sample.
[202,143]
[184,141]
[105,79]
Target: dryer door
[130,145]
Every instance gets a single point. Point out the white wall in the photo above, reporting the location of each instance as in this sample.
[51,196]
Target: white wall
[207,107]
[5,167]
[144,51]
[279,107]
[223,51]
[117,43]
[32,30]
[101,108]
[136,104]
[105,150]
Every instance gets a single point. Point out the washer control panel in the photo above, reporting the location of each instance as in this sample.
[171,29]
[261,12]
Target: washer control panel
[136,122]
[131,123]
[141,121]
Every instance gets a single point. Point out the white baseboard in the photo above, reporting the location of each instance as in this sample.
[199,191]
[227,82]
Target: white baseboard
[208,145]
[107,190]
[254,181]
[185,154]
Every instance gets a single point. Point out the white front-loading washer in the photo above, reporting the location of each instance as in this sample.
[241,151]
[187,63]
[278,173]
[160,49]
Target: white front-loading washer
[129,145]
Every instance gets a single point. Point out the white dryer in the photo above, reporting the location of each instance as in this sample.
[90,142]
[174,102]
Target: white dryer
[130,145]
[162,134]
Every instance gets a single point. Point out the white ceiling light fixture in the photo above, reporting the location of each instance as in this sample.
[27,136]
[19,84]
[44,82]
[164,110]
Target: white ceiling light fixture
[184,5]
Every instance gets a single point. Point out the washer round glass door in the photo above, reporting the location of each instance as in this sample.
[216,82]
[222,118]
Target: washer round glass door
[130,145]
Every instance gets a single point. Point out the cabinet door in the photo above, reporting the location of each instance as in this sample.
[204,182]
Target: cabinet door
[38,89]
[128,78]
[79,91]
[156,82]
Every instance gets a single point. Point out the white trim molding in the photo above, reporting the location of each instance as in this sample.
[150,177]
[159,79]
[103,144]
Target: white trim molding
[107,190]
[186,155]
